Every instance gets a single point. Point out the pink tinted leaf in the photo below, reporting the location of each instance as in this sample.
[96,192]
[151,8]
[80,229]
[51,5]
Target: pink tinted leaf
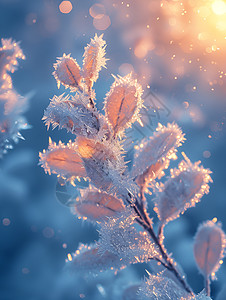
[94,60]
[63,160]
[67,72]
[153,155]
[123,103]
[182,190]
[98,206]
[209,246]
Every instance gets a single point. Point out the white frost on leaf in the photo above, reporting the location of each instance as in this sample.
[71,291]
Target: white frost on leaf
[94,60]
[153,154]
[72,113]
[159,287]
[209,248]
[104,165]
[120,237]
[88,259]
[96,205]
[182,190]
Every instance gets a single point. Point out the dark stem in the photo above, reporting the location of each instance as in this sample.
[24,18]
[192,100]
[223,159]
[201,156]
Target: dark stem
[160,232]
[145,222]
[207,286]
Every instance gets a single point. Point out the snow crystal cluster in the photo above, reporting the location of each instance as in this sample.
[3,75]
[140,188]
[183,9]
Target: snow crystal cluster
[12,105]
[115,197]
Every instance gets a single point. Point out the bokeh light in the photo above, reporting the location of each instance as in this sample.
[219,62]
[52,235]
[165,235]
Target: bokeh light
[65,7]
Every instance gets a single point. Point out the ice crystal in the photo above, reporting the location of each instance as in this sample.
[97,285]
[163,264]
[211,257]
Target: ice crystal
[12,105]
[209,247]
[119,236]
[159,287]
[182,190]
[88,259]
[114,196]
[73,114]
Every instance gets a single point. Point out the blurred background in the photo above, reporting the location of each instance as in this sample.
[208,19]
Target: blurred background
[177,49]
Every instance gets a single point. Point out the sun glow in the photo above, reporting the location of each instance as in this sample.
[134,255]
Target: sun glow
[219,7]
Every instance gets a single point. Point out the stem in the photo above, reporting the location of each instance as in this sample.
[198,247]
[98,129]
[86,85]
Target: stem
[146,224]
[160,232]
[207,286]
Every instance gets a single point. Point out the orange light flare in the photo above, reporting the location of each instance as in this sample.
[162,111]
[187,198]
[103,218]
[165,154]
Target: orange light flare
[65,7]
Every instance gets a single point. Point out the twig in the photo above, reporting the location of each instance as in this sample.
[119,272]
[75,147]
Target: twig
[207,286]
[145,222]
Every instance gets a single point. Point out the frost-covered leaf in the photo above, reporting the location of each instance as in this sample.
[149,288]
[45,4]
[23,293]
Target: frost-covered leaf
[97,206]
[153,155]
[94,60]
[62,160]
[88,259]
[72,113]
[159,287]
[182,190]
[209,247]
[67,72]
[104,165]
[119,236]
[123,103]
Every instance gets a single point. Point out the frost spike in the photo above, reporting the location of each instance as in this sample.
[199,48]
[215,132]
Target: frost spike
[118,236]
[123,103]
[74,114]
[160,287]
